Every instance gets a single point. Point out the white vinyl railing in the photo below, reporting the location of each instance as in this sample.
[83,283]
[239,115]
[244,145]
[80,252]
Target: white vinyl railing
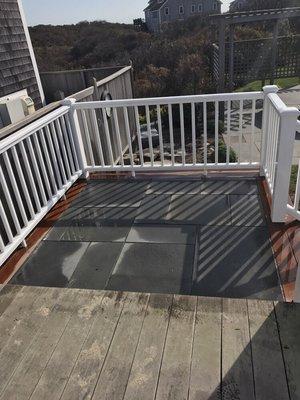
[188,126]
[38,165]
[279,130]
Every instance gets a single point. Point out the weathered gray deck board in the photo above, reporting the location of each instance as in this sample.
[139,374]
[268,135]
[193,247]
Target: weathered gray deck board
[206,358]
[59,367]
[23,332]
[268,365]
[175,370]
[81,344]
[237,374]
[288,318]
[92,356]
[115,373]
[30,369]
[145,369]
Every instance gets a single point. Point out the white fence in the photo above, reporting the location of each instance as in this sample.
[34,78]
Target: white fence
[39,163]
[195,122]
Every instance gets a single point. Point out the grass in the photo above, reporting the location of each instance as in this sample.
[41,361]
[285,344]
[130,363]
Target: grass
[281,83]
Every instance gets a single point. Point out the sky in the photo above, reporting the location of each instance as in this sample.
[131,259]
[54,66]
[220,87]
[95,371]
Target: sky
[58,12]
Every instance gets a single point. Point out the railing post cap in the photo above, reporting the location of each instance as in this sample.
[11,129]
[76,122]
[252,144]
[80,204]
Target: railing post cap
[68,102]
[290,111]
[270,89]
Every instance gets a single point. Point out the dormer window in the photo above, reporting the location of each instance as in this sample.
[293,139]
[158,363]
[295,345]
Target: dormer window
[215,6]
[200,8]
[167,11]
[181,9]
[193,8]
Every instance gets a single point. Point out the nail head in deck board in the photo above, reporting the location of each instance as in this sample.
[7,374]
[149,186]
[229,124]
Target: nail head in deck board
[288,318]
[237,374]
[145,369]
[92,356]
[114,375]
[60,365]
[23,333]
[268,366]
[206,357]
[175,370]
[30,369]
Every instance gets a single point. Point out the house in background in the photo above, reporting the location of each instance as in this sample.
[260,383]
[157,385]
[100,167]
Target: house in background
[19,75]
[159,12]
[237,5]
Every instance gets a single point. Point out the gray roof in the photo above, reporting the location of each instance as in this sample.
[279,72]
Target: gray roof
[155,6]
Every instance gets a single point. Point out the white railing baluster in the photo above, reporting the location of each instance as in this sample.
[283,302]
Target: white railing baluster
[63,148]
[182,133]
[118,134]
[49,173]
[2,245]
[23,182]
[160,134]
[297,191]
[30,177]
[87,137]
[107,134]
[15,188]
[65,135]
[170,112]
[58,153]
[9,201]
[127,128]
[216,132]
[149,135]
[138,127]
[37,172]
[253,111]
[97,135]
[53,156]
[194,147]
[74,152]
[205,132]
[241,110]
[228,132]
[5,222]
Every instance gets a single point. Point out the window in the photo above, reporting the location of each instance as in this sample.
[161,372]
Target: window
[200,7]
[215,6]
[181,9]
[167,11]
[193,8]
[239,6]
[154,14]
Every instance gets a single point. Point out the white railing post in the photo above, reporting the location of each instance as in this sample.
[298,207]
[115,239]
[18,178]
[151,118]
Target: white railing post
[286,141]
[76,132]
[264,140]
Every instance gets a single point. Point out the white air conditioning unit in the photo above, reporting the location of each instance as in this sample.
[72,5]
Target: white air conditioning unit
[11,111]
[15,107]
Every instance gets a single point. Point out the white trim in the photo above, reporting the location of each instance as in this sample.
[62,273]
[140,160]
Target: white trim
[30,48]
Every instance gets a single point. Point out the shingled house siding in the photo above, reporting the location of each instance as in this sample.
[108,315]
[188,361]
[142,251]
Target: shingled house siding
[16,69]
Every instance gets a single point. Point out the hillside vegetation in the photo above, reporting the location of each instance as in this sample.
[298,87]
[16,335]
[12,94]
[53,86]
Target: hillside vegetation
[174,63]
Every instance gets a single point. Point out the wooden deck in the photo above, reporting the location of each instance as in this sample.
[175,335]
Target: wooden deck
[82,344]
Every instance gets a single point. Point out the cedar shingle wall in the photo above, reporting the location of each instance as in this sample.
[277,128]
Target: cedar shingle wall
[16,70]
